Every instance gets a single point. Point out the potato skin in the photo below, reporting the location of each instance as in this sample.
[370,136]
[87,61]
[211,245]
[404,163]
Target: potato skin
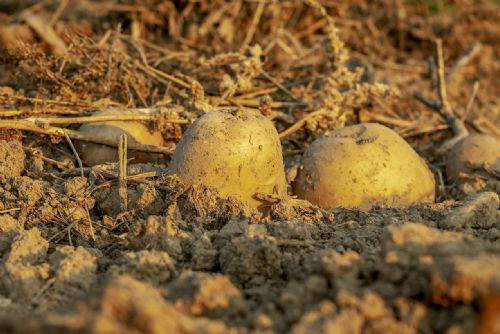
[96,154]
[362,166]
[237,153]
[472,151]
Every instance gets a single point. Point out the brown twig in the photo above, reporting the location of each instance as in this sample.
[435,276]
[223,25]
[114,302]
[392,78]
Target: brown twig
[168,54]
[456,124]
[470,53]
[110,51]
[434,105]
[36,153]
[311,29]
[82,174]
[131,100]
[371,116]
[280,86]
[470,103]
[441,188]
[258,92]
[83,104]
[421,130]
[485,125]
[138,47]
[105,7]
[445,109]
[215,100]
[107,170]
[253,25]
[44,288]
[75,153]
[122,163]
[400,17]
[136,178]
[45,31]
[59,11]
[11,113]
[98,119]
[443,106]
[153,71]
[9,210]
[297,126]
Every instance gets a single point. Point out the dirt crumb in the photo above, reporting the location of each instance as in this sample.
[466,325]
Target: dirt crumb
[24,272]
[465,278]
[9,228]
[325,319]
[28,248]
[163,234]
[11,158]
[476,211]
[246,258]
[419,234]
[206,294]
[155,267]
[74,272]
[76,187]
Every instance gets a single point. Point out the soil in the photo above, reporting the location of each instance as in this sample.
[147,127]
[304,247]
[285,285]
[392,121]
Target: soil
[182,259]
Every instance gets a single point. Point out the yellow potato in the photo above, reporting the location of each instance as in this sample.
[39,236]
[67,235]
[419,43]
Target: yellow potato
[236,153]
[472,152]
[362,166]
[95,154]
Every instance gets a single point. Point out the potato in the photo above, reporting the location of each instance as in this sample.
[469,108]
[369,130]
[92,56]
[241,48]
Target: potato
[236,153]
[472,152]
[362,166]
[95,154]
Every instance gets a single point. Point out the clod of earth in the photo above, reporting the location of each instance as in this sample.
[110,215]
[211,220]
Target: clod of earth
[11,159]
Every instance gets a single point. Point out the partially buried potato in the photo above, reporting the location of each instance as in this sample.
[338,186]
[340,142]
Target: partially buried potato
[471,155]
[96,154]
[362,166]
[238,153]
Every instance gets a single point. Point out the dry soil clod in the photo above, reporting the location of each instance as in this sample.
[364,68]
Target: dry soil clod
[476,211]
